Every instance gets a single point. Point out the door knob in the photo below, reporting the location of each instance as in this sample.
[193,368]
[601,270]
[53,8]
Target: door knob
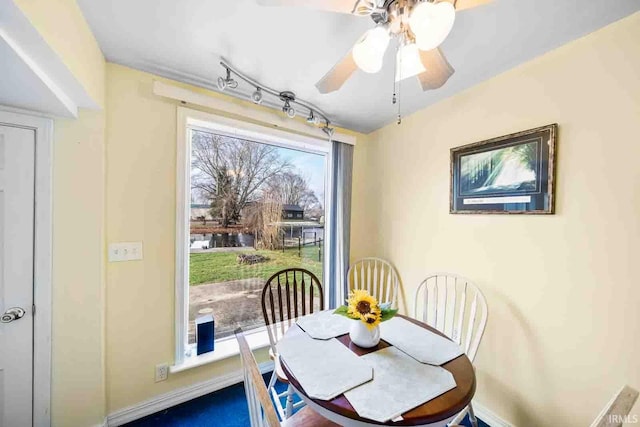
[12,314]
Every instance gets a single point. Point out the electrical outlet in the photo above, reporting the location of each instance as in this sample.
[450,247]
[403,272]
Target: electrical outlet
[162,372]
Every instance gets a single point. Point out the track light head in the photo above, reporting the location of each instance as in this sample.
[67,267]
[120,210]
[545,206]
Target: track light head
[287,97]
[228,82]
[256,96]
[312,119]
[288,110]
[222,83]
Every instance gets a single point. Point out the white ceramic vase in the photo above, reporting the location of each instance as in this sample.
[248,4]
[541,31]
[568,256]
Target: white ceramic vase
[362,336]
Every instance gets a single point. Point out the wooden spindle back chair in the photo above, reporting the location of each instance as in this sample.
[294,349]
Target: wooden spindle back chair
[376,276]
[455,306]
[261,410]
[287,295]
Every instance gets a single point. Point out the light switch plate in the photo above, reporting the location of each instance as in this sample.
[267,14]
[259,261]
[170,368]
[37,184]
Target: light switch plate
[125,251]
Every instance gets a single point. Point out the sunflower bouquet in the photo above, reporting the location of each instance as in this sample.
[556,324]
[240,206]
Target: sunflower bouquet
[362,306]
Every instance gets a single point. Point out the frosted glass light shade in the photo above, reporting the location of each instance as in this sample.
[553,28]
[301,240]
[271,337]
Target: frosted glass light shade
[409,63]
[369,51]
[431,23]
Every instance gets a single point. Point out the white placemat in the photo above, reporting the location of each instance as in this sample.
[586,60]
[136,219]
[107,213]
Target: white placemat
[324,369]
[419,343]
[400,383]
[324,325]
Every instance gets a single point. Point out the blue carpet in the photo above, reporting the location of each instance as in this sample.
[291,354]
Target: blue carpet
[224,408]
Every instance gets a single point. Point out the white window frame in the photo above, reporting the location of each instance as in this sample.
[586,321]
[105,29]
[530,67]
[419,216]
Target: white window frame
[193,119]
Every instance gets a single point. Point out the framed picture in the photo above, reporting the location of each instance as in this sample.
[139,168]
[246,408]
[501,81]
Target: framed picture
[512,174]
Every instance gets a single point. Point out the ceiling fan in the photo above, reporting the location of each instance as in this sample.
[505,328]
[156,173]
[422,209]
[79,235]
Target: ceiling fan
[419,25]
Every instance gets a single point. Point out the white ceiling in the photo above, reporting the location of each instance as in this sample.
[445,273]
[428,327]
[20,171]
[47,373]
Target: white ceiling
[32,75]
[21,88]
[292,48]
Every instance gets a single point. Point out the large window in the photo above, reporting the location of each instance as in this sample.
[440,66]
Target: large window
[256,203]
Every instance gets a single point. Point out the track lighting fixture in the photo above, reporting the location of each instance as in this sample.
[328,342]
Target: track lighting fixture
[228,82]
[288,110]
[288,98]
[256,96]
[222,83]
[312,119]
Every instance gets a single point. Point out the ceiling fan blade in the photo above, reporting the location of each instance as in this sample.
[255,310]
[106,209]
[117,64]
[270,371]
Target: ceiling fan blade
[339,74]
[342,6]
[438,69]
[467,4]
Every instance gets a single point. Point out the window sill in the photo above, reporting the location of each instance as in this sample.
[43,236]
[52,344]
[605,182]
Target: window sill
[224,349]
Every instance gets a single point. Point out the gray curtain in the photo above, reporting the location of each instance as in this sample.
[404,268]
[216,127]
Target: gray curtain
[338,251]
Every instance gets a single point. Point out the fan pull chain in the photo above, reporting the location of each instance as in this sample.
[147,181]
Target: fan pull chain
[399,109]
[395,73]
[399,65]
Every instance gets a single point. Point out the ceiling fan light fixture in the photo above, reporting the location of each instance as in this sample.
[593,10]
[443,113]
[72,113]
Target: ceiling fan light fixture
[368,53]
[431,23]
[408,62]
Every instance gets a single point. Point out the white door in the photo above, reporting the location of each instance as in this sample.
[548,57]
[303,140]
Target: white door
[17,179]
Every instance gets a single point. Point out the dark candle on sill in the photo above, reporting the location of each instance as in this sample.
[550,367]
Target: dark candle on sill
[204,334]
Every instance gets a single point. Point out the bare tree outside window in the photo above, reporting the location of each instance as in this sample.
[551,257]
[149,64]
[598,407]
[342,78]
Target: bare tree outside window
[255,209]
[263,219]
[231,172]
[291,188]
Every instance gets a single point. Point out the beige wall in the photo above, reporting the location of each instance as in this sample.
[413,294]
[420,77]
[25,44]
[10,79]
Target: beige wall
[563,297]
[77,390]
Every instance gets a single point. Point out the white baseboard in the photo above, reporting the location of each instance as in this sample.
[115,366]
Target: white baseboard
[102,424]
[176,397]
[489,417]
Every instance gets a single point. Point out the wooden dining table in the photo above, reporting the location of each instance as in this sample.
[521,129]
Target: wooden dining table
[436,412]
